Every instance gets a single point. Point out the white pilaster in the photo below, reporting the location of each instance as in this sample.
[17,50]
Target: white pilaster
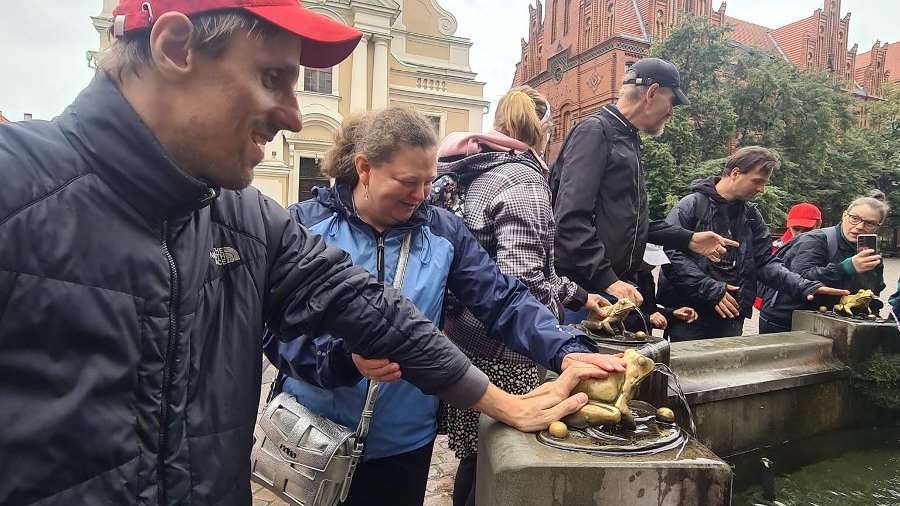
[359,81]
[380,74]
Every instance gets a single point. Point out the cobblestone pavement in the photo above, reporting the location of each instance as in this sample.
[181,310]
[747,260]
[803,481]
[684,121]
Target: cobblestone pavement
[439,491]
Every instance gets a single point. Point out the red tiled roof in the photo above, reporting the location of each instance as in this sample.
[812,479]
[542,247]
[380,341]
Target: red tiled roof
[2,119]
[792,39]
[628,22]
[892,62]
[862,61]
[753,35]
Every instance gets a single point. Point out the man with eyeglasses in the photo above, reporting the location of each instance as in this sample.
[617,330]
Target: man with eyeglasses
[723,291]
[831,255]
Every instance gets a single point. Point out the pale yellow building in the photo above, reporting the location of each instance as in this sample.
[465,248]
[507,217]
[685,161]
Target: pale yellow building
[408,57]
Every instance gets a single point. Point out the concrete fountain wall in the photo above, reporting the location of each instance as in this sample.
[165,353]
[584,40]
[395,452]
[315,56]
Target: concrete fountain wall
[753,391]
[746,392]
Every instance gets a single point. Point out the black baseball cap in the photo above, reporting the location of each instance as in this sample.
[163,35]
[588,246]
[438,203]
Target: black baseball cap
[654,70]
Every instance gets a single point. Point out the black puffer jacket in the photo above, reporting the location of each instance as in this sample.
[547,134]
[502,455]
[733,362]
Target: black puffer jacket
[132,302]
[687,280]
[808,256]
[600,203]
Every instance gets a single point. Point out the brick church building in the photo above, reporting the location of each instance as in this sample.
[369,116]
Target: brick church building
[578,50]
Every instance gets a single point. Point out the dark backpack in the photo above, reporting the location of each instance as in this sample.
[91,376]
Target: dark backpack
[449,189]
[830,237]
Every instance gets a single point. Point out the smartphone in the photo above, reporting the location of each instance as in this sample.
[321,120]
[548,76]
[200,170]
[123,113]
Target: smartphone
[866,241]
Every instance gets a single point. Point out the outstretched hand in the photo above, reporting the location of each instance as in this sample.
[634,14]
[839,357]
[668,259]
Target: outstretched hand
[827,290]
[710,244]
[606,363]
[542,406]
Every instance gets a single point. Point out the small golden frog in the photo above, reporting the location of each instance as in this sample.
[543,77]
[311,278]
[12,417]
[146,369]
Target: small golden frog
[608,397]
[855,303]
[614,316]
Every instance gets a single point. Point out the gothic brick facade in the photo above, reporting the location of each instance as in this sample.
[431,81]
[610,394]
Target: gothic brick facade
[578,50]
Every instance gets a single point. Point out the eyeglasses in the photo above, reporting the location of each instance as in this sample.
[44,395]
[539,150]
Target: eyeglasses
[856,220]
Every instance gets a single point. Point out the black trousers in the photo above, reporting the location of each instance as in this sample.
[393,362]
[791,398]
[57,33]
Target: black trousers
[705,327]
[464,485]
[398,480]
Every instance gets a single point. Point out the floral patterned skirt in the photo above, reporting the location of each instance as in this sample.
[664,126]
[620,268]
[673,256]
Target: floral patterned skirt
[461,425]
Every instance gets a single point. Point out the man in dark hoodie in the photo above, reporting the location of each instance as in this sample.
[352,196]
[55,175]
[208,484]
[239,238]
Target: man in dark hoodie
[723,291]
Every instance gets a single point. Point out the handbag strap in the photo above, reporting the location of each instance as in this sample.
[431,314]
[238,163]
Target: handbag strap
[362,430]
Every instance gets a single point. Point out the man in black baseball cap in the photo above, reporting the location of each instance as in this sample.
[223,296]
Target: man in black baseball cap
[653,70]
[600,199]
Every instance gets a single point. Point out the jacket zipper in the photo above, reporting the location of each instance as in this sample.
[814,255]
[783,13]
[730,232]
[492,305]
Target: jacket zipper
[637,221]
[379,259]
[167,370]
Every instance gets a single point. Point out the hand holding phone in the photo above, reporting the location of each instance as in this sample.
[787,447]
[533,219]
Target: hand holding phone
[866,241]
[867,257]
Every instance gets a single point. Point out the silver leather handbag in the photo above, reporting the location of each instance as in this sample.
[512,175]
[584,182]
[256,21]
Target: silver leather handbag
[305,458]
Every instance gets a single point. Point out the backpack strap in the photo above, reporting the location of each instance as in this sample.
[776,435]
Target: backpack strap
[832,238]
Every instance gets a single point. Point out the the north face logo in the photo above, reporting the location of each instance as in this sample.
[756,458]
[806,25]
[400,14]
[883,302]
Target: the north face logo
[224,256]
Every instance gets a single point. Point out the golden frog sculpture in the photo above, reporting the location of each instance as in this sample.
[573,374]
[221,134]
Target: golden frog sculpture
[614,316]
[855,303]
[608,397]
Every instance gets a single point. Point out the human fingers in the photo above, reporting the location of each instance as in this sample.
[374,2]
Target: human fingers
[720,310]
[731,305]
[560,388]
[636,296]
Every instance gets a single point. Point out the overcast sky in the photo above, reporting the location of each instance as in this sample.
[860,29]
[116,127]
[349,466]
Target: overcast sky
[43,65]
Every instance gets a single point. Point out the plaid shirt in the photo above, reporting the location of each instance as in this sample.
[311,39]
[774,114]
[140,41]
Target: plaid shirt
[508,211]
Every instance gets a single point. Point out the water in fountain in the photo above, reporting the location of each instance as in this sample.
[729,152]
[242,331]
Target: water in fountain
[666,370]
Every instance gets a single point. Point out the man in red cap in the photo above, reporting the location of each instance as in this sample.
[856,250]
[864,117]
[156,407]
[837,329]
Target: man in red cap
[801,218]
[138,269]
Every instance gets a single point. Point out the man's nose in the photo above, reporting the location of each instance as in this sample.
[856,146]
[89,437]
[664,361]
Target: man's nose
[287,115]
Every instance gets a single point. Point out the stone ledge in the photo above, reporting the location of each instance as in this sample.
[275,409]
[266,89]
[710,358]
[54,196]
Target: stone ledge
[715,369]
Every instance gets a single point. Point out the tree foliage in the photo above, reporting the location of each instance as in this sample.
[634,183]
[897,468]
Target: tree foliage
[742,97]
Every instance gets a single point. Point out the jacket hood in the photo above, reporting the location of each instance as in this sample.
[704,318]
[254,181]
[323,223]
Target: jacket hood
[470,143]
[479,151]
[339,200]
[707,186]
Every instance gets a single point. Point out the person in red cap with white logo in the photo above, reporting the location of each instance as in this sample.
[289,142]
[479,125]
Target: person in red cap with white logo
[138,268]
[801,218]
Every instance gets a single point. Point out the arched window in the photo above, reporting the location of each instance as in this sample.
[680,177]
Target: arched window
[553,20]
[566,17]
[587,32]
[609,19]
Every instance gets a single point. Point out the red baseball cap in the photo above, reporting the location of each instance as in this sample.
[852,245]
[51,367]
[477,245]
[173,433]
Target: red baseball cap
[804,215]
[325,41]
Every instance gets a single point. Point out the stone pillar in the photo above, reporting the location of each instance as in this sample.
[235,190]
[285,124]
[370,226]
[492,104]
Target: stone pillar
[380,73]
[359,79]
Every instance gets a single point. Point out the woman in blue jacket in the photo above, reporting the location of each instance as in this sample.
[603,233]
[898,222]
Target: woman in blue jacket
[383,165]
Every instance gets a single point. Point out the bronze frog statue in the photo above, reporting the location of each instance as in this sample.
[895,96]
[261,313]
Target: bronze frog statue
[855,303]
[608,397]
[615,314]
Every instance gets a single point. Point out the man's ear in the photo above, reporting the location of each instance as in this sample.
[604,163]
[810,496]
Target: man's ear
[170,45]
[652,90]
